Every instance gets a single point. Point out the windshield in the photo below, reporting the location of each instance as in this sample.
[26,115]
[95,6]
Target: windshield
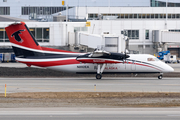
[156,59]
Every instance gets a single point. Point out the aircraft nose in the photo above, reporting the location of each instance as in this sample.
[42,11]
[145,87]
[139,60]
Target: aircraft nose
[169,69]
[172,70]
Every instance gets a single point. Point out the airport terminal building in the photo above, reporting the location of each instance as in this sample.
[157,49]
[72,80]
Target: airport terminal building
[143,21]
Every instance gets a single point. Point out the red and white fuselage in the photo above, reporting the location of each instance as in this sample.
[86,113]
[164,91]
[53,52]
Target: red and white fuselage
[135,63]
[28,51]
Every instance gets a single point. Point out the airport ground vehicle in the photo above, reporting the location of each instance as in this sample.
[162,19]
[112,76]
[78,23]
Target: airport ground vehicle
[162,54]
[167,57]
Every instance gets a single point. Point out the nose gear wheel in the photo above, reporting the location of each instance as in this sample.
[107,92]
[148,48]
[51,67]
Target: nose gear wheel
[160,77]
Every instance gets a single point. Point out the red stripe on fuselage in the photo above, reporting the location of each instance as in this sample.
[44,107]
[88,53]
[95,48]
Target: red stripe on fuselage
[52,63]
[144,65]
[148,66]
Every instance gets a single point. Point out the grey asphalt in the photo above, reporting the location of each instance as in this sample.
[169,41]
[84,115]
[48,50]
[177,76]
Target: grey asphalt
[20,65]
[90,113]
[16,65]
[15,85]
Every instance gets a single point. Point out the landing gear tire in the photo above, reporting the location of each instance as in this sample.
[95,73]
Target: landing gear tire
[98,76]
[160,77]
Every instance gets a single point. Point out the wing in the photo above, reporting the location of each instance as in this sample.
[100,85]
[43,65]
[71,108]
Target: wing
[99,53]
[102,57]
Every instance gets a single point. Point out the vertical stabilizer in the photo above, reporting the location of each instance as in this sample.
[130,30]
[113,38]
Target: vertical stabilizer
[19,34]
[23,42]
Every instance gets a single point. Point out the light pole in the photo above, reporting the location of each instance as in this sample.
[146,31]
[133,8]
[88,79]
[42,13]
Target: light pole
[166,16]
[66,11]
[66,23]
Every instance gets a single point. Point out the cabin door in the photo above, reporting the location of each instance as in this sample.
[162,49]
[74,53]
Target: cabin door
[133,66]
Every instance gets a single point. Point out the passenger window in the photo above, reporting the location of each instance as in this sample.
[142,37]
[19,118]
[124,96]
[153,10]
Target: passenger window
[150,59]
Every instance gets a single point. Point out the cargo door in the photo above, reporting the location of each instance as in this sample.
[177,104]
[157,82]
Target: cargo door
[128,65]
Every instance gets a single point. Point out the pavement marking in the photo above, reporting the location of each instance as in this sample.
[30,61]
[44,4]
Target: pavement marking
[38,113]
[172,84]
[173,115]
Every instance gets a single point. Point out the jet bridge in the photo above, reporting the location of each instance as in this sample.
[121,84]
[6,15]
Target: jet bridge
[110,42]
[162,38]
[165,36]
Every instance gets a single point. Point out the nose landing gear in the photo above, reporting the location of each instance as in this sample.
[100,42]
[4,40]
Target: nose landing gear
[160,76]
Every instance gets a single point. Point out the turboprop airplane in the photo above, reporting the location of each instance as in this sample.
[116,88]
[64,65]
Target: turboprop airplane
[29,52]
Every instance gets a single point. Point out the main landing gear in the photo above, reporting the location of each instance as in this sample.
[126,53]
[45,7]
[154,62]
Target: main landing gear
[100,71]
[98,76]
[160,76]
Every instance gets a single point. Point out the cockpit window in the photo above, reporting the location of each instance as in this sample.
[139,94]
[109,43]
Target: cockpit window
[156,59]
[150,59]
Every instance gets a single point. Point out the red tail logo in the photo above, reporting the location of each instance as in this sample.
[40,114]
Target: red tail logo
[19,35]
[16,35]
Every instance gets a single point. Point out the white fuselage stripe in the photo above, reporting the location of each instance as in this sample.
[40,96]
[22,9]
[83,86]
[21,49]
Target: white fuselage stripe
[43,60]
[43,51]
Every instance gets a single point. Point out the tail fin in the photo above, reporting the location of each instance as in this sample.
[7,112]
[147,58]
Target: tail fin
[23,42]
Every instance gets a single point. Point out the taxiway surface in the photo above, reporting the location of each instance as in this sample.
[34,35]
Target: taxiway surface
[90,113]
[15,85]
[176,67]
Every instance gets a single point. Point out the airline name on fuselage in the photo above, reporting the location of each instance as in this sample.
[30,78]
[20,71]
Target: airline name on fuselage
[82,66]
[98,60]
[111,68]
